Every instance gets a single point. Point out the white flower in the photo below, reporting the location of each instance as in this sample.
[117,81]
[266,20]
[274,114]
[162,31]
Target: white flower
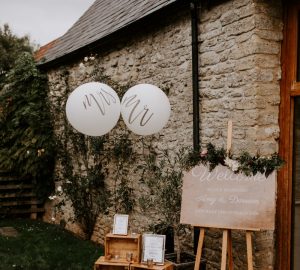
[235,165]
[52,197]
[232,164]
[86,59]
[227,161]
[53,219]
[68,182]
[59,189]
[28,152]
[92,58]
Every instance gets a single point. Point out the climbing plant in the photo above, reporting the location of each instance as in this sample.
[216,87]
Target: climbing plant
[84,163]
[123,156]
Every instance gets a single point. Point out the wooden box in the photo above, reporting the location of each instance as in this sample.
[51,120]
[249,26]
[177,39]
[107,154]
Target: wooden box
[117,247]
[103,264]
[138,266]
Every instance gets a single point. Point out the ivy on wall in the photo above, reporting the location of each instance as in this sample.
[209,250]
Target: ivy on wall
[95,172]
[123,156]
[84,163]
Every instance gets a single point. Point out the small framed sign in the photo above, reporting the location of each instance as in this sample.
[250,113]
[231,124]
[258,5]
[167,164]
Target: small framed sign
[120,224]
[154,248]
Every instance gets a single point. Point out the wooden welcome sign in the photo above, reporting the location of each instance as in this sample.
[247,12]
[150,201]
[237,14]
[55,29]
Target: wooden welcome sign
[223,199]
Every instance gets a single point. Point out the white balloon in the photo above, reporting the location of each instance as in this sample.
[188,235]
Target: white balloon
[145,109]
[93,108]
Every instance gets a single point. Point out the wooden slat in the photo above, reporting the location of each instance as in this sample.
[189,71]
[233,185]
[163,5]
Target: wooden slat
[18,203]
[17,195]
[295,93]
[12,178]
[295,86]
[22,211]
[224,249]
[16,186]
[229,251]
[249,250]
[199,249]
[229,136]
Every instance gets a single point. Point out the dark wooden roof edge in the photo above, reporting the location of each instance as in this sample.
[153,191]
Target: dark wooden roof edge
[90,48]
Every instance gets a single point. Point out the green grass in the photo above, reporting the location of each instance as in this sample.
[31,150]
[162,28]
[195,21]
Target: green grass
[43,246]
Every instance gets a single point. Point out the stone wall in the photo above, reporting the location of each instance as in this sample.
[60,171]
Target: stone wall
[240,45]
[239,79]
[157,54]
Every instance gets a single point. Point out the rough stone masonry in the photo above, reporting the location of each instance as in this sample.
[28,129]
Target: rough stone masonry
[239,47]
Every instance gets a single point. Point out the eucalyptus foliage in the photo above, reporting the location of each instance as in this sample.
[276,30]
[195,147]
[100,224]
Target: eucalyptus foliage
[26,135]
[245,163]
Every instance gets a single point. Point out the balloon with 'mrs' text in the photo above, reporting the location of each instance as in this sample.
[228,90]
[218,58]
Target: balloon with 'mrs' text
[93,108]
[145,109]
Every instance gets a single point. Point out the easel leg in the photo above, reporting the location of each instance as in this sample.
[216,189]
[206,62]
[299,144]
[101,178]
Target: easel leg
[249,250]
[199,250]
[229,251]
[224,249]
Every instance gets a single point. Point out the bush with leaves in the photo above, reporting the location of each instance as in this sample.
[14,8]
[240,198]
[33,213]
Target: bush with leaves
[27,145]
[11,47]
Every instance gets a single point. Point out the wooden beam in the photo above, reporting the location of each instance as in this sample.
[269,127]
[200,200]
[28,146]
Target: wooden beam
[229,251]
[224,249]
[249,250]
[199,249]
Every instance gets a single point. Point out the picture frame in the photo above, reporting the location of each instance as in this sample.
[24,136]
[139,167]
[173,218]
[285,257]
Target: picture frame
[120,226]
[153,248]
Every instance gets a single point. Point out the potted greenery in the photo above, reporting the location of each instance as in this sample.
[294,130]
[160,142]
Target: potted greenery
[164,180]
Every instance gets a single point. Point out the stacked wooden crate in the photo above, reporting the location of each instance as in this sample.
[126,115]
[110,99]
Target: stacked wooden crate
[117,249]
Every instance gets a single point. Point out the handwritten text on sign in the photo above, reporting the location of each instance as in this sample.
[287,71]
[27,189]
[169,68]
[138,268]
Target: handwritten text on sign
[223,199]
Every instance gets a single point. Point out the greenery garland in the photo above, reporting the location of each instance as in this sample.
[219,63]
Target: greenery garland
[245,163]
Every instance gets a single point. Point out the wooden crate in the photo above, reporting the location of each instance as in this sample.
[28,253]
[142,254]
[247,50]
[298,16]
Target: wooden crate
[103,264]
[120,245]
[138,266]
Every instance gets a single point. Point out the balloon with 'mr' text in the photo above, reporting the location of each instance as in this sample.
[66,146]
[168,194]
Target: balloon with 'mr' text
[145,109]
[93,108]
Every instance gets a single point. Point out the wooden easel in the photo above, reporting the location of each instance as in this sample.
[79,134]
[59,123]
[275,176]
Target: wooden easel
[227,238]
[226,250]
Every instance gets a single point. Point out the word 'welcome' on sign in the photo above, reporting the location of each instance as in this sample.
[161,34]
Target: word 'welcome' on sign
[223,199]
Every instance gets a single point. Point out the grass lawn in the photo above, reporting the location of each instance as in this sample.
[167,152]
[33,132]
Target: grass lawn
[40,246]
